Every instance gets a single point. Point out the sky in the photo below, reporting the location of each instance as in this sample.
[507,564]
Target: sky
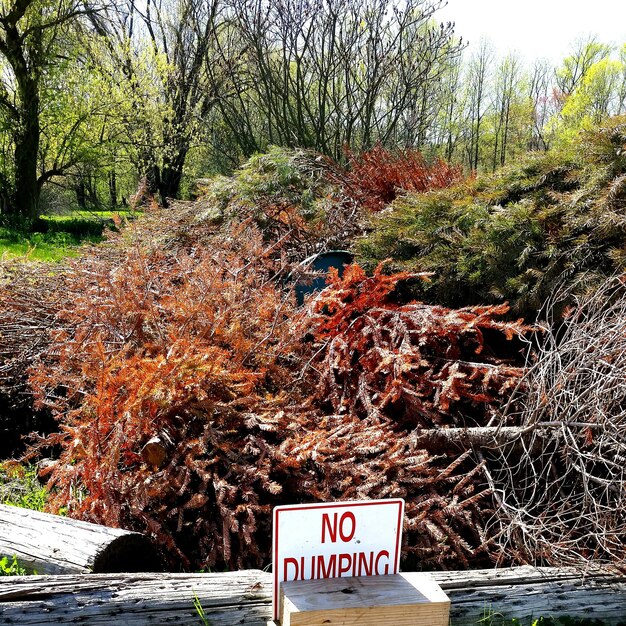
[536,28]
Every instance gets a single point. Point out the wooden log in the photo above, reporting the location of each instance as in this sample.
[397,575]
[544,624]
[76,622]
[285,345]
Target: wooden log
[484,437]
[51,544]
[245,597]
[492,437]
[137,599]
[525,592]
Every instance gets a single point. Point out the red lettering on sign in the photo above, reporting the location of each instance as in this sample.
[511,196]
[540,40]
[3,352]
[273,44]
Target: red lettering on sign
[336,565]
[331,570]
[332,530]
[332,526]
[382,553]
[364,570]
[286,563]
[345,563]
[347,516]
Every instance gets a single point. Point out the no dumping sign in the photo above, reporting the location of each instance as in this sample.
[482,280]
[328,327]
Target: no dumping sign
[336,539]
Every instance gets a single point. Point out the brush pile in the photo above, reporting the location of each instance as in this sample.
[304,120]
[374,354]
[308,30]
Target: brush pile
[191,394]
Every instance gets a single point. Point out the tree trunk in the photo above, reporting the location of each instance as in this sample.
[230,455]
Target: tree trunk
[113,189]
[26,195]
[80,194]
[26,137]
[51,544]
[172,175]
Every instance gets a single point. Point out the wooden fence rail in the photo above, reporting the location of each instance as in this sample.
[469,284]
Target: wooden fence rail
[244,597]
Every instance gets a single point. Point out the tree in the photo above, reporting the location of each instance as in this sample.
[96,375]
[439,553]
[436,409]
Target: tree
[327,73]
[506,87]
[165,58]
[477,88]
[449,125]
[596,97]
[621,107]
[585,53]
[31,32]
[543,102]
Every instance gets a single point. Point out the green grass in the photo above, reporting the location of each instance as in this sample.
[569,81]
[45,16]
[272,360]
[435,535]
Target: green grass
[103,215]
[54,237]
[47,247]
[19,486]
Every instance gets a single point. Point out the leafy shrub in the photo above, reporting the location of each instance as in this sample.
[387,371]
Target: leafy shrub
[78,227]
[19,486]
[517,234]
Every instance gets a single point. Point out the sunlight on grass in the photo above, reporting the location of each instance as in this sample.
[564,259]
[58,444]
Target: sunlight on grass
[19,486]
[46,247]
[35,252]
[56,237]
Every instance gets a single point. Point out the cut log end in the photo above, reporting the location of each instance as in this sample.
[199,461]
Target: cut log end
[156,451]
[128,553]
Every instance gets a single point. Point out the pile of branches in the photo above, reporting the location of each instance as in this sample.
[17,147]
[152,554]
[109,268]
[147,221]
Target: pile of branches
[28,305]
[561,488]
[32,295]
[192,397]
[173,352]
[344,457]
[427,366]
[516,234]
[292,197]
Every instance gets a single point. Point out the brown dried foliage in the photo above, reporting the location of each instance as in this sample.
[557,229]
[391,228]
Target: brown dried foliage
[375,177]
[193,340]
[185,344]
[422,365]
[343,457]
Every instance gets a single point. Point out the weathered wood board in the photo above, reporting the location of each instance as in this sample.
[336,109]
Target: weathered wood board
[245,597]
[50,544]
[137,599]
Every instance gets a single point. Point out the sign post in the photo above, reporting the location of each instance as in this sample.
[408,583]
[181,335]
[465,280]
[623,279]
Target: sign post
[335,540]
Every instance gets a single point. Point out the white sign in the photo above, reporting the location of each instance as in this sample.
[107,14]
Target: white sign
[336,539]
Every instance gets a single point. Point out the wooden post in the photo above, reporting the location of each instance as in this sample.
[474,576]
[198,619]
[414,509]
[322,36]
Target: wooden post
[408,599]
[51,544]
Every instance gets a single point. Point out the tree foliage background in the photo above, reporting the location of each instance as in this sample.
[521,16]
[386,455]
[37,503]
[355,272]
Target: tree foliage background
[97,96]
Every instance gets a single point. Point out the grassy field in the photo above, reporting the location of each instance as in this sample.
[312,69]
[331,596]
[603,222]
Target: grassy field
[52,238]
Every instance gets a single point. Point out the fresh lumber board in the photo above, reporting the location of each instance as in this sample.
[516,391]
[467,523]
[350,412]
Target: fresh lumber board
[51,544]
[408,599]
[245,597]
